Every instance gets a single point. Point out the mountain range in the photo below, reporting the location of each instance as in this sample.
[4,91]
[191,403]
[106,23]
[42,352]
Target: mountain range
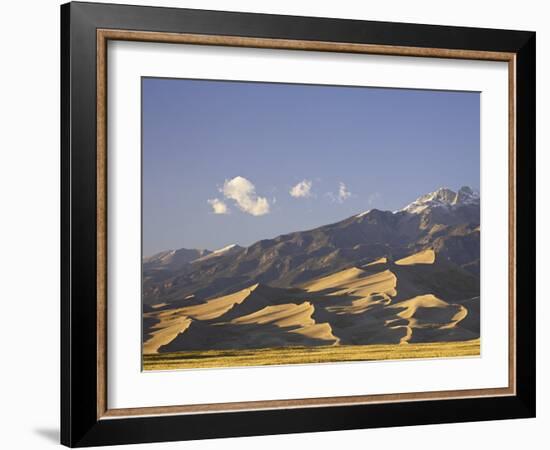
[410,275]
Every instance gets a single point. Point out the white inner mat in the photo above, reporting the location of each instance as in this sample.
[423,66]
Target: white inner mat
[129,387]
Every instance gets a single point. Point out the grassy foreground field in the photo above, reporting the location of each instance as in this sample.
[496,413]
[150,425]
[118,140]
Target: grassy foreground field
[303,355]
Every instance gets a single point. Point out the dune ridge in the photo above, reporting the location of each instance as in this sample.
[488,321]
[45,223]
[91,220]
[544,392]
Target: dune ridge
[171,323]
[380,303]
[164,332]
[424,257]
[427,312]
[382,260]
[298,318]
[355,281]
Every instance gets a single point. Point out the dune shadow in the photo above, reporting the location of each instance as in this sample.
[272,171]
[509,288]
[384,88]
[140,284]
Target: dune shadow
[228,336]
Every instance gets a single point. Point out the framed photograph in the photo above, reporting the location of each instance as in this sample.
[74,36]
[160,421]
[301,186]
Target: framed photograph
[276,224]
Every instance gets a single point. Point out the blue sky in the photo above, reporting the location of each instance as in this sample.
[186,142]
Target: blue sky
[236,162]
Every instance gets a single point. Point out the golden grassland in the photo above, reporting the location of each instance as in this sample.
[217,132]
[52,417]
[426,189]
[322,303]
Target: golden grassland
[304,355]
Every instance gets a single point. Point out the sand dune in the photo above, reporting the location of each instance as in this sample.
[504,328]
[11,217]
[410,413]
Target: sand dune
[428,313]
[382,260]
[422,301]
[164,326]
[164,332]
[286,315]
[423,257]
[361,305]
[235,336]
[295,317]
[355,281]
[319,331]
[260,297]
[216,307]
[414,300]
[471,321]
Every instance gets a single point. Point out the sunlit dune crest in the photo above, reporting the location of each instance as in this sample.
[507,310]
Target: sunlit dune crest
[172,322]
[165,331]
[423,257]
[355,281]
[427,312]
[382,260]
[284,315]
[298,318]
[218,306]
[361,305]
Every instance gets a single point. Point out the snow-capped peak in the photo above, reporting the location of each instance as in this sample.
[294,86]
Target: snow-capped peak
[364,213]
[443,197]
[229,249]
[224,249]
[466,195]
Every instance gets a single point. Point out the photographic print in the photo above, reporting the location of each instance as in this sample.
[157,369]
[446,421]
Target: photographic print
[294,223]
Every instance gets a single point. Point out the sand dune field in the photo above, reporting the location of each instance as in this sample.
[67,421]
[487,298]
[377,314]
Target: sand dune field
[416,306]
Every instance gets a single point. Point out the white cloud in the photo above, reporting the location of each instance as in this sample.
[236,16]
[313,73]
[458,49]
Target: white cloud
[243,192]
[302,189]
[218,206]
[342,195]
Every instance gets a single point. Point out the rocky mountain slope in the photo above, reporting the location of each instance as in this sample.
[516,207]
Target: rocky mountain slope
[444,221]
